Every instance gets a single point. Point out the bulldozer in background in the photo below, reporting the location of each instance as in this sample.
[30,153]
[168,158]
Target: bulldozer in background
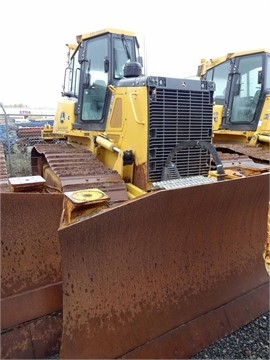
[241,103]
[134,239]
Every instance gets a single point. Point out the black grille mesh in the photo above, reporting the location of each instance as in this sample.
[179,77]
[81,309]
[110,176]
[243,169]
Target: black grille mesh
[178,115]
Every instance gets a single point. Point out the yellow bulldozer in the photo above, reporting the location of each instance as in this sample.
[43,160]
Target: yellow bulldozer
[131,239]
[241,115]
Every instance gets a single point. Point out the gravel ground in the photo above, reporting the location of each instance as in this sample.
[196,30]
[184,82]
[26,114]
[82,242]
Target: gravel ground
[249,342]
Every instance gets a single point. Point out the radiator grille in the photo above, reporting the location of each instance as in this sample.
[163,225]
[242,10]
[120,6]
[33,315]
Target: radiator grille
[174,116]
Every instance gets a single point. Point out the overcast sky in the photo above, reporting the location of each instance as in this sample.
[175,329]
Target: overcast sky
[175,34]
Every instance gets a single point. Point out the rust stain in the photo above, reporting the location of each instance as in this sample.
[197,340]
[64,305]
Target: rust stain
[169,258]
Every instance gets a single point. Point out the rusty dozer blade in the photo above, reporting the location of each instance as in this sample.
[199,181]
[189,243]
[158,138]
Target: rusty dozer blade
[31,279]
[166,275]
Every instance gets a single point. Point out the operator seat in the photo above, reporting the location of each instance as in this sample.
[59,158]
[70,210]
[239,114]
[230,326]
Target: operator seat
[255,100]
[94,99]
[256,96]
[99,87]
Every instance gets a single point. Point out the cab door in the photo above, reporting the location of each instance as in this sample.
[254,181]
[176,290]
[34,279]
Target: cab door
[243,92]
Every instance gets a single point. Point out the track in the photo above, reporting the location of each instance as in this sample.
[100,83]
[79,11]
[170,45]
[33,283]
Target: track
[75,169]
[256,153]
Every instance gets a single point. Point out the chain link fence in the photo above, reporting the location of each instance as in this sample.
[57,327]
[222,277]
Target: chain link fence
[18,134]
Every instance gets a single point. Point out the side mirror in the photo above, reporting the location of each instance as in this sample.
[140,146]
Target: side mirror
[260,77]
[81,55]
[86,72]
[106,65]
[86,80]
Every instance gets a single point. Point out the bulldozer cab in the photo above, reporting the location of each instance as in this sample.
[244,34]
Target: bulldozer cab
[242,85]
[98,61]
